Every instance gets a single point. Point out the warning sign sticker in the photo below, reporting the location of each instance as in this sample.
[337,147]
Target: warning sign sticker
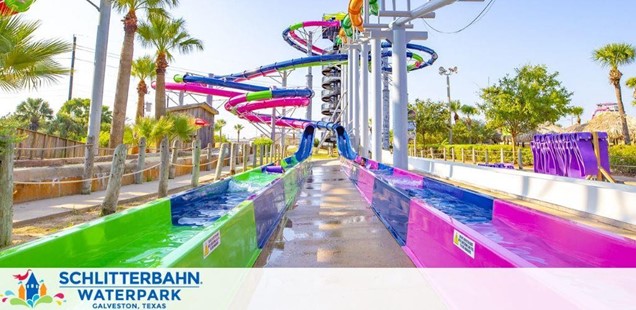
[211,244]
[463,243]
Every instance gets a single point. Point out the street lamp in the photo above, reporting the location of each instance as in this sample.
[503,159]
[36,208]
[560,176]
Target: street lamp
[447,73]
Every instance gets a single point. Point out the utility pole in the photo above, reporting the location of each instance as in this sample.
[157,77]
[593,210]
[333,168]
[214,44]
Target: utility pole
[95,119]
[447,73]
[70,86]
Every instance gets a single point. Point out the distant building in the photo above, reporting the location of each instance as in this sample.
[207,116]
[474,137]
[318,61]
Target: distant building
[605,107]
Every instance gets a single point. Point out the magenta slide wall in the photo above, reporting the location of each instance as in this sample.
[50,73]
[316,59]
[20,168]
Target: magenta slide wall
[516,236]
[433,240]
[590,245]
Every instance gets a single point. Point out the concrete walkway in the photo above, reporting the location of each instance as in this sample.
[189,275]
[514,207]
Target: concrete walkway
[27,212]
[331,225]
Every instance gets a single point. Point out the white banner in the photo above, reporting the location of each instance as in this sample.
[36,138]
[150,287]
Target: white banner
[363,288]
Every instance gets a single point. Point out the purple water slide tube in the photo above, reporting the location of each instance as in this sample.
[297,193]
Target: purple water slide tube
[512,236]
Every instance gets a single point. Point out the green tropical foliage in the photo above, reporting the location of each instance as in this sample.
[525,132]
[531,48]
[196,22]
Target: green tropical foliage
[130,8]
[238,128]
[631,83]
[165,35]
[613,56]
[24,61]
[262,141]
[577,112]
[35,112]
[183,127]
[218,126]
[8,129]
[143,68]
[520,103]
[71,120]
[431,120]
[143,128]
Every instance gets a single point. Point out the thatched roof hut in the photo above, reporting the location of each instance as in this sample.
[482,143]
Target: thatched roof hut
[609,122]
[543,129]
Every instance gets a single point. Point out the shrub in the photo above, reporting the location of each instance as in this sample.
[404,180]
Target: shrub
[263,141]
[623,159]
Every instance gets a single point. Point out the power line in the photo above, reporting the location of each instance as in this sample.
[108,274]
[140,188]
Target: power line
[116,56]
[476,19]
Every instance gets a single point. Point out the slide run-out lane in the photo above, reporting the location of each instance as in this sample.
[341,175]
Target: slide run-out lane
[331,225]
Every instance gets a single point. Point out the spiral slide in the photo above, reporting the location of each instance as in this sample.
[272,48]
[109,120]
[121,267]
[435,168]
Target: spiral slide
[245,99]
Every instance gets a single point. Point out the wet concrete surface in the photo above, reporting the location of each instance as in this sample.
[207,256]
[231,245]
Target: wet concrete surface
[331,225]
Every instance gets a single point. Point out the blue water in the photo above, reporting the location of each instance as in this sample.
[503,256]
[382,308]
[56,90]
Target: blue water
[463,211]
[438,195]
[206,209]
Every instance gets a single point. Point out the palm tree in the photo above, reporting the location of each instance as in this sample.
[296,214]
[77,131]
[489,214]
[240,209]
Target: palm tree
[143,129]
[143,68]
[468,111]
[455,108]
[577,112]
[34,111]
[614,55]
[130,8]
[165,35]
[25,62]
[238,128]
[631,83]
[183,127]
[218,126]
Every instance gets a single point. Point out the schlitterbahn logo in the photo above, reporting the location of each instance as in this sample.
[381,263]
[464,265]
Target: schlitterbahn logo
[129,289]
[31,292]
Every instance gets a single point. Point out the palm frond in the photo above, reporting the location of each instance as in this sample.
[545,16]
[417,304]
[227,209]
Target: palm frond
[25,63]
[182,127]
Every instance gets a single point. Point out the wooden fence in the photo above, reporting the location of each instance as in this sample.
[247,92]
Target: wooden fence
[37,145]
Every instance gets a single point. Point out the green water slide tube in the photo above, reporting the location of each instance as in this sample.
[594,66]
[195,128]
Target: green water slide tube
[223,224]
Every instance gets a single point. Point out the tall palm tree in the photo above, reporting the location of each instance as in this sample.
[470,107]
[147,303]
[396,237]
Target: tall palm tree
[25,62]
[165,35]
[34,111]
[468,111]
[130,21]
[218,126]
[143,68]
[631,83]
[614,55]
[238,128]
[577,112]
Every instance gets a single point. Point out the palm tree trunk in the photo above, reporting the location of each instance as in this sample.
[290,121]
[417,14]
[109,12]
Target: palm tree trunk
[514,146]
[141,97]
[123,81]
[621,111]
[160,86]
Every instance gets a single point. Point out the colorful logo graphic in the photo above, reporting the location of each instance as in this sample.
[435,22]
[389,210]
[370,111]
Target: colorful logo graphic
[31,292]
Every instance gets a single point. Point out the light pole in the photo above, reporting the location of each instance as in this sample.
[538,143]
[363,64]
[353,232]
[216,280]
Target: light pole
[95,118]
[447,73]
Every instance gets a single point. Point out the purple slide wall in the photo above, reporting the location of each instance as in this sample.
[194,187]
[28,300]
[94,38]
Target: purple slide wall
[512,235]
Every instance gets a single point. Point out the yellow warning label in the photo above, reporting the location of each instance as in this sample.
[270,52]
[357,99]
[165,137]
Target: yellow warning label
[464,243]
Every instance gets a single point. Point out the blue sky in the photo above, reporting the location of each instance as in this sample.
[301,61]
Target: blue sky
[242,34]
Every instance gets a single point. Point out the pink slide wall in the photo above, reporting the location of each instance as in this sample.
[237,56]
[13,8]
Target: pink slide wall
[594,246]
[431,242]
